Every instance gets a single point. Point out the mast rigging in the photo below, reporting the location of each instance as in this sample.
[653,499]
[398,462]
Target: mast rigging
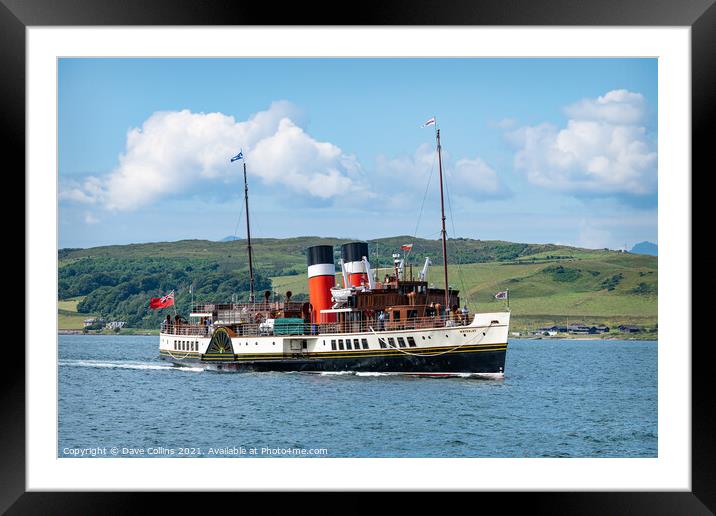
[444,233]
[248,237]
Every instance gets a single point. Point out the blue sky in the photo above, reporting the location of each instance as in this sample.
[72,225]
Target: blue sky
[535,150]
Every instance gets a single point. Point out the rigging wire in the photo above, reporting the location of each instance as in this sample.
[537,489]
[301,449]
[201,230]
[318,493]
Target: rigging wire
[241,215]
[459,265]
[422,205]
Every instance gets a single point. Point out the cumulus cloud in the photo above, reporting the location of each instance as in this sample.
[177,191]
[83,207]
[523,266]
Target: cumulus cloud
[604,147]
[174,151]
[471,176]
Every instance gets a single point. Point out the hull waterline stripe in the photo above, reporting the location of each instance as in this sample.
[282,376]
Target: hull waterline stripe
[238,358]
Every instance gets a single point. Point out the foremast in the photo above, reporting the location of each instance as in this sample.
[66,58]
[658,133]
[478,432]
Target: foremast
[248,237]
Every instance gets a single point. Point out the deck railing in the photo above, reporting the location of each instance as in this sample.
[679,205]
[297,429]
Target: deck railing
[258,329]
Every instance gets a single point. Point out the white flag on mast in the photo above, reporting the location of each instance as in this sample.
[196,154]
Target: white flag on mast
[429,122]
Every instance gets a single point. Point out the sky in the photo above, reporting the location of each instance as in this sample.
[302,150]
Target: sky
[534,150]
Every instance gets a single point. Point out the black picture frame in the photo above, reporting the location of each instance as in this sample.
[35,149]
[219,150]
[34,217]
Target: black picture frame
[700,15]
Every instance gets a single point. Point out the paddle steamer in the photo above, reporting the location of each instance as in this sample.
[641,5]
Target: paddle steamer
[397,325]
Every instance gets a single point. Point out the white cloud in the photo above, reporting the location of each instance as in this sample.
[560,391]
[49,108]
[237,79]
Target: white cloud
[468,176]
[476,175]
[176,151]
[616,107]
[90,218]
[603,148]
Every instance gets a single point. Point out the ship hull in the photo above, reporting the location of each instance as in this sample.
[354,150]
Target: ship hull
[475,349]
[485,361]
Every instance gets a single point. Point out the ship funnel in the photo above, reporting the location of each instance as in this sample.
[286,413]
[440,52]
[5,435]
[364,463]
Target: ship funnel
[352,255]
[321,278]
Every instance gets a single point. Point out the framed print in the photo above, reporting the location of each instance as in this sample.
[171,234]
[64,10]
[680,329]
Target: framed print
[438,250]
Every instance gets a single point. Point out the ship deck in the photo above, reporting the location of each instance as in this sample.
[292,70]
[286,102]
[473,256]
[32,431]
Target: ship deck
[367,326]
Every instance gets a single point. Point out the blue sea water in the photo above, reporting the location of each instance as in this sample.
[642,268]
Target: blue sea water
[559,398]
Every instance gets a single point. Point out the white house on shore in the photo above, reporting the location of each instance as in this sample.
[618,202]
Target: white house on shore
[91,321]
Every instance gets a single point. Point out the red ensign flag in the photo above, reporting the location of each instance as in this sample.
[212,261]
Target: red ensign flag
[406,247]
[162,302]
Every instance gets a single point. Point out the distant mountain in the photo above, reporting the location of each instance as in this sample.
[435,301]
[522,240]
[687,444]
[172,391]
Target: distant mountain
[229,238]
[645,248]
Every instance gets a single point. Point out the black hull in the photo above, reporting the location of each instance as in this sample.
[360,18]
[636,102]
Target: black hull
[468,362]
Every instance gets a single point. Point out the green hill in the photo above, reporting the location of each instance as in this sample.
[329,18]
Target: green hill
[547,283]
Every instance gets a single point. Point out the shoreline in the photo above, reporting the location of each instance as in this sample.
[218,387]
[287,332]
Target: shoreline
[150,333]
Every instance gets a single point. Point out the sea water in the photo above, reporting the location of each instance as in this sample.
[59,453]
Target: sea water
[558,398]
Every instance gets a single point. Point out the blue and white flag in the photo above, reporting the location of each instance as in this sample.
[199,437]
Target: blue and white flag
[240,155]
[501,295]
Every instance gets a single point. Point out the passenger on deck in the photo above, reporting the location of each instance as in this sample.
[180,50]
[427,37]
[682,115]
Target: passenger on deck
[168,324]
[381,321]
[464,315]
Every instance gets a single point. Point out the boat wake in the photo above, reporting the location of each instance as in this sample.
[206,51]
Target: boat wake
[109,364]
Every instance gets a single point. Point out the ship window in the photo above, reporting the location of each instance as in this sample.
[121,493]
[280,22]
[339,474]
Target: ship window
[333,344]
[340,343]
[391,342]
[348,344]
[411,342]
[396,315]
[365,343]
[382,343]
[401,342]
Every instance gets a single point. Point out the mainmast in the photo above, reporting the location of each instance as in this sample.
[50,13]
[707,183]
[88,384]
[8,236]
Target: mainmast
[444,233]
[248,237]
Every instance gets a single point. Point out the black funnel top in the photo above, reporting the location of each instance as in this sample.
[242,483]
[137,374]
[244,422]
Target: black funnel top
[354,251]
[320,254]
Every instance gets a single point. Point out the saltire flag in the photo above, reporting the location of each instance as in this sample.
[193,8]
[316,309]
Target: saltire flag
[240,155]
[501,295]
[406,247]
[429,122]
[162,302]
